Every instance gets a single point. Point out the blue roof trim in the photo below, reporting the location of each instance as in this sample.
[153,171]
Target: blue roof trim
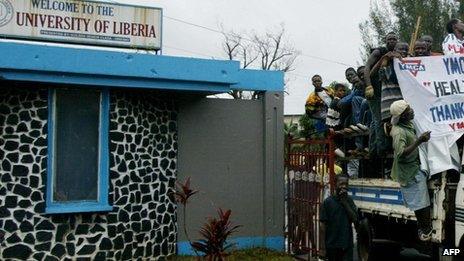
[260,80]
[113,63]
[24,61]
[120,82]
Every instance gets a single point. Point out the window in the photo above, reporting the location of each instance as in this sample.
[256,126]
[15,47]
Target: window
[78,151]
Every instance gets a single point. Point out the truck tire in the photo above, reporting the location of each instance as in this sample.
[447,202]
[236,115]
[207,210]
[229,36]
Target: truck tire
[373,249]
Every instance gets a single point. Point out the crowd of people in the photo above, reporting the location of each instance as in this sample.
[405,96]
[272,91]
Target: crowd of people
[365,107]
[375,104]
[374,88]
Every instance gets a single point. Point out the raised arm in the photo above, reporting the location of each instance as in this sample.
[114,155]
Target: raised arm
[373,58]
[424,137]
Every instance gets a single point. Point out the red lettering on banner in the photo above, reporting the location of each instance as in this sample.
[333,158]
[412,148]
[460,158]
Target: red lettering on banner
[457,126]
[456,49]
[460,125]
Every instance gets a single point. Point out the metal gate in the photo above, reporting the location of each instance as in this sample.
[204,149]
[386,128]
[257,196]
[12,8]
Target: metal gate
[309,177]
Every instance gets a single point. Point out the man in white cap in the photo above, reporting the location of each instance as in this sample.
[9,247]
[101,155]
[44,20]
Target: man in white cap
[406,166]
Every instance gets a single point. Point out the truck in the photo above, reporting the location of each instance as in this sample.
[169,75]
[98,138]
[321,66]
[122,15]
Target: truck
[388,221]
[386,225]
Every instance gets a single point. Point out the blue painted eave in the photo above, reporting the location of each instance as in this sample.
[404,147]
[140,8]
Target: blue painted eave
[260,80]
[22,61]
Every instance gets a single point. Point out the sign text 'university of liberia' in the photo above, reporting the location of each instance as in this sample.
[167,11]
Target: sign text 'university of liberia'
[88,22]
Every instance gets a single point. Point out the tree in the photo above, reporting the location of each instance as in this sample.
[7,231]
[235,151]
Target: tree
[268,51]
[380,22]
[435,14]
[401,15]
[308,126]
[291,129]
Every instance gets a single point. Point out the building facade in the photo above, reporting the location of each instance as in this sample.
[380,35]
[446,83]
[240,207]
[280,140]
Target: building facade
[89,147]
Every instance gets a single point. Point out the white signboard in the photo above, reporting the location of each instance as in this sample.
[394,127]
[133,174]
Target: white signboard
[89,22]
[434,87]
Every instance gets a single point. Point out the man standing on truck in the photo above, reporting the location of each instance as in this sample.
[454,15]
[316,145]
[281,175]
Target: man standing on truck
[453,43]
[318,101]
[406,166]
[373,95]
[338,212]
[421,49]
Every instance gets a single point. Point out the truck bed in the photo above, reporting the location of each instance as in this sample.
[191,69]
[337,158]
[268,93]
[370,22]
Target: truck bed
[380,197]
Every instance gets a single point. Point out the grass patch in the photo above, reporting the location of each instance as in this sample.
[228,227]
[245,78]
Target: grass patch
[246,254]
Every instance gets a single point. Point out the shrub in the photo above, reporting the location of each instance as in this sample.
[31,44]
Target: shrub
[215,233]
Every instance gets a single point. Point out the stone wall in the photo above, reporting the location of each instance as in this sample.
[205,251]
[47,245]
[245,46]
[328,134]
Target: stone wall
[143,152]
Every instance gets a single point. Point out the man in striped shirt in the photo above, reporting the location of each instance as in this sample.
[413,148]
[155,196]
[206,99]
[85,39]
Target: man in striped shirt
[391,91]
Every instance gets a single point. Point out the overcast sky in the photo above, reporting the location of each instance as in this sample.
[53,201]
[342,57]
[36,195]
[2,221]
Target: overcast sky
[322,28]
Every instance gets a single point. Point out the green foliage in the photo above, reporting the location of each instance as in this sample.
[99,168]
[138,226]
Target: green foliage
[380,22]
[435,14]
[401,15]
[291,130]
[308,127]
[308,131]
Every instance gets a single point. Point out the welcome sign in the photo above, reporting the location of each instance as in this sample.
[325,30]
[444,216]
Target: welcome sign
[89,22]
[434,87]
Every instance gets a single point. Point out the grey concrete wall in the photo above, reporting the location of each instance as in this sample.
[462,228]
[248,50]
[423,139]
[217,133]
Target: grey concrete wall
[233,152]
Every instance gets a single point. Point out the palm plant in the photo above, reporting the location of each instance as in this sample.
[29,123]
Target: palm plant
[291,129]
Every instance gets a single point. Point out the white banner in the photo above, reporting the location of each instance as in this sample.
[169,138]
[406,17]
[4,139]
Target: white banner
[434,87]
[89,22]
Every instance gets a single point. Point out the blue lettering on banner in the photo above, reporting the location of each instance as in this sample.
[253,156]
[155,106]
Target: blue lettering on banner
[454,65]
[445,88]
[447,112]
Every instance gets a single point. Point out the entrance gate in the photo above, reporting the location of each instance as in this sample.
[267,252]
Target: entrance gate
[309,177]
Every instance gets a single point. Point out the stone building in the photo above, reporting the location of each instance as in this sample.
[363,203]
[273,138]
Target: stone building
[90,146]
